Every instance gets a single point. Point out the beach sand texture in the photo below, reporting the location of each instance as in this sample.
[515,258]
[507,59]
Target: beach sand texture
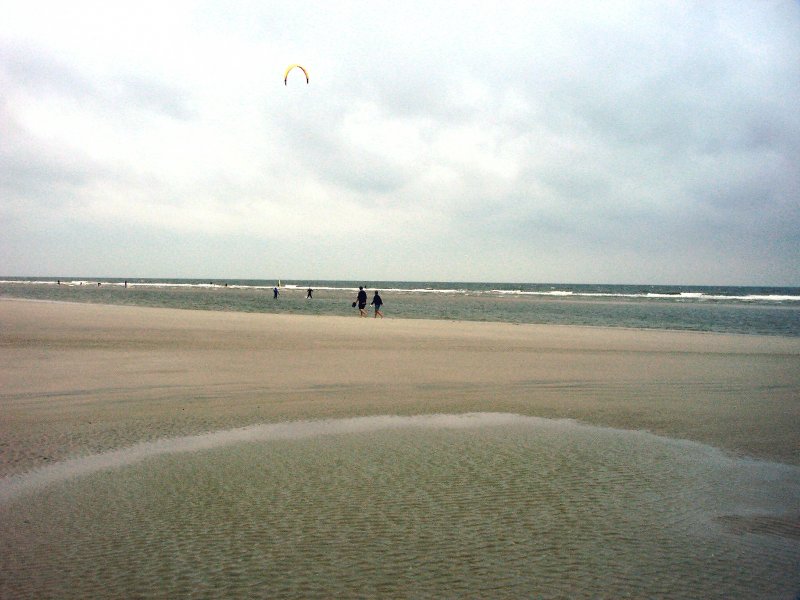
[83,380]
[87,378]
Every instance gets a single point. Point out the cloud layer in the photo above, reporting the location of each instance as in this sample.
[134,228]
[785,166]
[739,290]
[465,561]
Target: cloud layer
[647,142]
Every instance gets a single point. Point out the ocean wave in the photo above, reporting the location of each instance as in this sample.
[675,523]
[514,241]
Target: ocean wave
[699,296]
[661,293]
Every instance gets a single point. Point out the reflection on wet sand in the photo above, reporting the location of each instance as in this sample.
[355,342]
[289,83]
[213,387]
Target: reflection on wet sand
[482,504]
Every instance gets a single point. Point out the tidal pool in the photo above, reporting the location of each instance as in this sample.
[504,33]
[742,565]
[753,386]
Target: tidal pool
[477,505]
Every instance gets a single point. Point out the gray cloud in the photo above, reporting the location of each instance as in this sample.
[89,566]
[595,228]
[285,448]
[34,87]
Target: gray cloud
[33,171]
[628,142]
[37,72]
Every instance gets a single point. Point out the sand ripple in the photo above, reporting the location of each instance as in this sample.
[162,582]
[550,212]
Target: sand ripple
[481,505]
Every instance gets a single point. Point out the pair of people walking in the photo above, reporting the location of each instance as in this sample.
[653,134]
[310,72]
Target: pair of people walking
[361,301]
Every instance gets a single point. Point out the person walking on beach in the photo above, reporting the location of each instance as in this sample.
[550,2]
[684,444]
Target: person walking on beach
[361,299]
[275,293]
[377,302]
[308,293]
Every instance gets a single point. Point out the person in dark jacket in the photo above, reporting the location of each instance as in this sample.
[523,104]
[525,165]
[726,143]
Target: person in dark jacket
[361,299]
[377,302]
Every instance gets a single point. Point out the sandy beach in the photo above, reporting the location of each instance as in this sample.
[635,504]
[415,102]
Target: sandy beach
[80,379]
[148,452]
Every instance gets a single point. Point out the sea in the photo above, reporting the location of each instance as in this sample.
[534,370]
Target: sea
[725,309]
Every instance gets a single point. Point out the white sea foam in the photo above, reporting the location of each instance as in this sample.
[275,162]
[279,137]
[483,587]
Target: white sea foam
[471,289]
[653,295]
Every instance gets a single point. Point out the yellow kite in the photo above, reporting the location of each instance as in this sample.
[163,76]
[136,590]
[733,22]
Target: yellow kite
[289,68]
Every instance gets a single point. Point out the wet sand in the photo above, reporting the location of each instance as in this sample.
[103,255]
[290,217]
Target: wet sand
[81,379]
[477,505]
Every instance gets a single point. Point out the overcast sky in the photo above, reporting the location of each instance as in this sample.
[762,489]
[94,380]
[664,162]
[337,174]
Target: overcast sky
[614,142]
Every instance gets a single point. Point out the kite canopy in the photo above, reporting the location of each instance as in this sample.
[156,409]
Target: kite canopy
[289,68]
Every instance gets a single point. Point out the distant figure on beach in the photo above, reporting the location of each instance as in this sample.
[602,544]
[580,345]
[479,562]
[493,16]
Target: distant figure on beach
[275,293]
[126,283]
[361,299]
[308,293]
[377,302]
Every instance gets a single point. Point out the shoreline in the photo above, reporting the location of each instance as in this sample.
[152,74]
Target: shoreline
[794,341]
[88,378]
[393,317]
[749,311]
